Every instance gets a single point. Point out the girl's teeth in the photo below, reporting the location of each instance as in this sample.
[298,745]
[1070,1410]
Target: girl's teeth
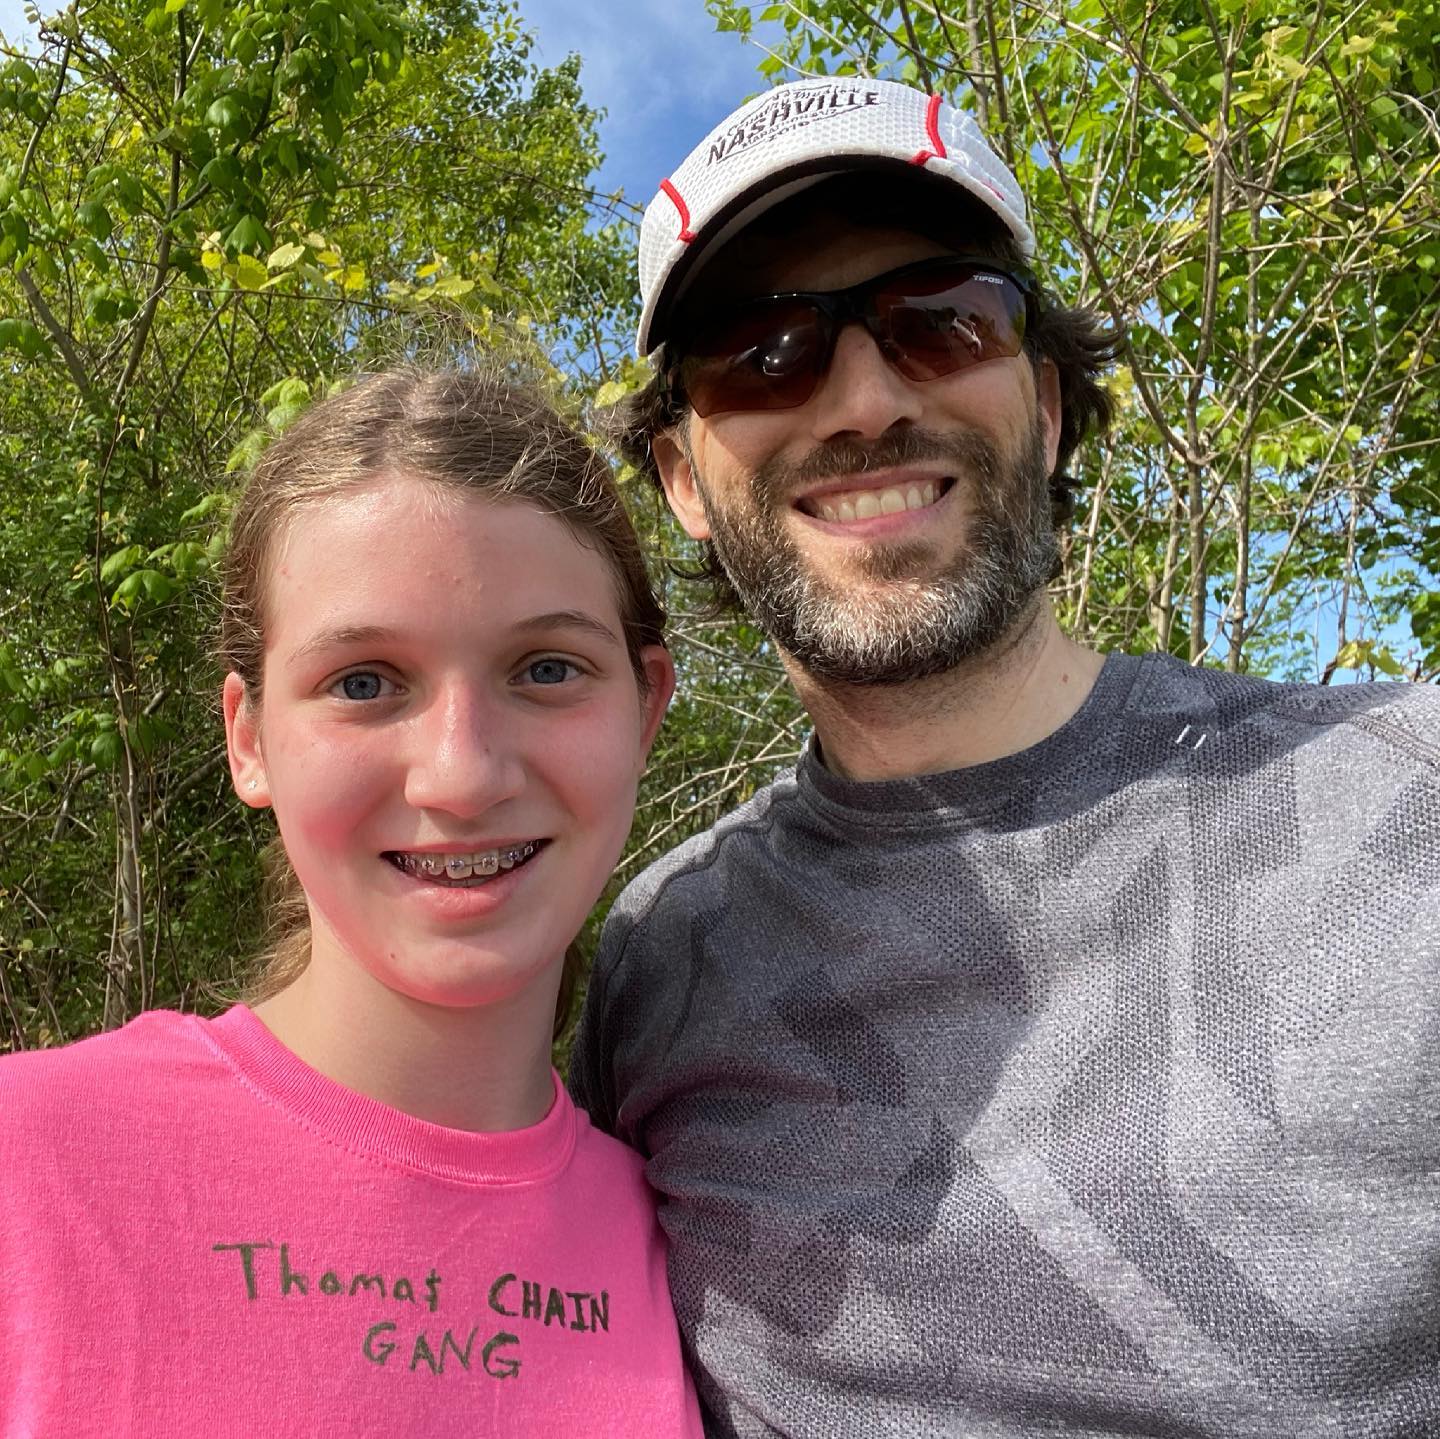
[481,864]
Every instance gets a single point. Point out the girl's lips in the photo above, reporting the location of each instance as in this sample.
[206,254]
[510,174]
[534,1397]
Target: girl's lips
[462,900]
[464,866]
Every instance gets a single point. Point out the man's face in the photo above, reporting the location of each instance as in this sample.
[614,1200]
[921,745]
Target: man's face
[887,529]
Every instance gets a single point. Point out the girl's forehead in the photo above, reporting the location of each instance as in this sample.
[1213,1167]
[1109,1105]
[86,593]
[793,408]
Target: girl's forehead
[401,544]
[400,512]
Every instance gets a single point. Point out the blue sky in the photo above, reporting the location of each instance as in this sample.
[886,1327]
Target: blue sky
[657,67]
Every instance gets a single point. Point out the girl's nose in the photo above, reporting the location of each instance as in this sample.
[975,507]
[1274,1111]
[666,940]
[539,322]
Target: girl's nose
[464,761]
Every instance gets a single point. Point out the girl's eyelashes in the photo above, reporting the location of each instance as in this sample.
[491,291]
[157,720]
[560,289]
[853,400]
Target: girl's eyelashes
[363,685]
[548,670]
[360,686]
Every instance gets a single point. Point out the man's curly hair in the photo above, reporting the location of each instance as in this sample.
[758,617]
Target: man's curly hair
[1076,340]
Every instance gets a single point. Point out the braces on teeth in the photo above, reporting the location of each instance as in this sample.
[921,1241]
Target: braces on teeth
[466,866]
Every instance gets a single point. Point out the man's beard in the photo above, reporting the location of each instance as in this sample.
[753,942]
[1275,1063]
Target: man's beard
[894,622]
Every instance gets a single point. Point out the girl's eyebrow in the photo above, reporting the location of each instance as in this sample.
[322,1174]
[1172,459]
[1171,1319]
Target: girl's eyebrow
[339,637]
[344,636]
[569,620]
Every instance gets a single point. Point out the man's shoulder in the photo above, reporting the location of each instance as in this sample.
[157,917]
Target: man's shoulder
[747,830]
[699,871]
[1403,716]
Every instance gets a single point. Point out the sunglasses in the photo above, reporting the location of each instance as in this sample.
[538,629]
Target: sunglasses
[928,319]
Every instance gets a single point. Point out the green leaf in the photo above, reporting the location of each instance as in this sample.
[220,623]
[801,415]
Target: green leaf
[122,560]
[158,586]
[285,256]
[95,218]
[187,559]
[106,749]
[247,234]
[248,272]
[224,173]
[247,451]
[225,114]
[207,506]
[452,287]
[289,391]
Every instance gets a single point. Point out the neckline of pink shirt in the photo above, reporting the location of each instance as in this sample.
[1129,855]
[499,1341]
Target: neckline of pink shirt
[364,1126]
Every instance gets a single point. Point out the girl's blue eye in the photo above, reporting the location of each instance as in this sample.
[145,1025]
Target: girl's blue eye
[550,672]
[362,685]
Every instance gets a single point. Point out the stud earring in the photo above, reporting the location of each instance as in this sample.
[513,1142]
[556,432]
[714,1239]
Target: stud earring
[254,784]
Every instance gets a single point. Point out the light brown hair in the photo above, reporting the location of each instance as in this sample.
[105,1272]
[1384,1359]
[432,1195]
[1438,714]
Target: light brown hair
[459,429]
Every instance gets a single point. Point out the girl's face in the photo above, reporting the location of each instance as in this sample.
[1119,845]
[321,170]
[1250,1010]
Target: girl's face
[451,734]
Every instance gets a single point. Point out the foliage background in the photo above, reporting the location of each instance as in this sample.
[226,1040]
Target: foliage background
[210,212]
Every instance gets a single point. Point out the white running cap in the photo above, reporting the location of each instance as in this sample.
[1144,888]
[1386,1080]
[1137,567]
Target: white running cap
[790,137]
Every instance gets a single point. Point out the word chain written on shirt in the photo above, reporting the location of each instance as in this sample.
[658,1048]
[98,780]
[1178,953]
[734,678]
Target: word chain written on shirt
[509,1296]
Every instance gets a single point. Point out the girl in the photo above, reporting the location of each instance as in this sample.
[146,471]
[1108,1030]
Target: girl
[364,1204]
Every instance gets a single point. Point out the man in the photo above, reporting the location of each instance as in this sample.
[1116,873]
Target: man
[1057,1049]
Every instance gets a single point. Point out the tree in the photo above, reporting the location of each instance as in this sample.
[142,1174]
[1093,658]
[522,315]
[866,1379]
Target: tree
[1253,188]
[207,211]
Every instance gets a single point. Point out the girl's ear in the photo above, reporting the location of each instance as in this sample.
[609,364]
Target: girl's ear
[660,679]
[242,741]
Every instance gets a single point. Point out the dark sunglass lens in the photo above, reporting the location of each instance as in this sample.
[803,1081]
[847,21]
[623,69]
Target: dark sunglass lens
[766,358]
[937,327]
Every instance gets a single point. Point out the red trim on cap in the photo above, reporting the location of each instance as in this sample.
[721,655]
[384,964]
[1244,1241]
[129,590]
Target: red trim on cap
[685,236]
[937,149]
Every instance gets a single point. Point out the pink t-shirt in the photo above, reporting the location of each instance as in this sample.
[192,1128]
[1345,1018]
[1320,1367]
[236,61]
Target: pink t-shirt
[199,1234]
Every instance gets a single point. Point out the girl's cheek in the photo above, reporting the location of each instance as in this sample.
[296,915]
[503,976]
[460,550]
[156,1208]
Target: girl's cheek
[336,766]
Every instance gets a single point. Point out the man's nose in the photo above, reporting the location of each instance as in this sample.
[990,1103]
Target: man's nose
[862,393]
[463,759]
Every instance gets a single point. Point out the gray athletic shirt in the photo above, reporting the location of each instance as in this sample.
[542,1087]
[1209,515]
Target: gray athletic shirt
[1094,1090]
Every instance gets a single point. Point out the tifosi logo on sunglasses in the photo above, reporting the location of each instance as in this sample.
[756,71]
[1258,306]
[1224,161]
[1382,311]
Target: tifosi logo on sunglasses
[982,278]
[791,111]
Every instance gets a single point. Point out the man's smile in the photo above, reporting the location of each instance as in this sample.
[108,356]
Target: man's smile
[849,502]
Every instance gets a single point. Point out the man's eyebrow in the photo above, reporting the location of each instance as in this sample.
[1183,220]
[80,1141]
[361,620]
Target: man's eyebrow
[569,620]
[339,638]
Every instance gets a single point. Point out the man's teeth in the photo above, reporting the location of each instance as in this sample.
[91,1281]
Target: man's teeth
[481,864]
[846,505]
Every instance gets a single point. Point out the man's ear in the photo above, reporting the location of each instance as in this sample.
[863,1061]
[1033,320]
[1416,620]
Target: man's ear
[1047,400]
[677,475]
[242,741]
